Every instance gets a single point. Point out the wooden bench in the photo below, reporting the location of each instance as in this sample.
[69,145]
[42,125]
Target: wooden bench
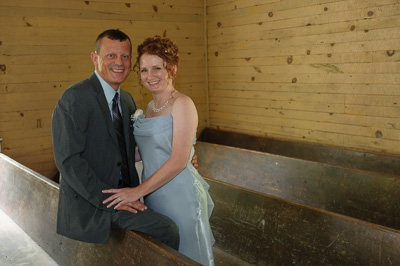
[369,196]
[368,161]
[31,200]
[258,228]
[266,230]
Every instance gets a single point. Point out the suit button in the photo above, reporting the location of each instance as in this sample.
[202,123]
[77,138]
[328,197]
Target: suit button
[75,196]
[119,163]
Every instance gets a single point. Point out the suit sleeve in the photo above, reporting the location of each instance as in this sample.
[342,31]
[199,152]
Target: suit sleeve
[69,132]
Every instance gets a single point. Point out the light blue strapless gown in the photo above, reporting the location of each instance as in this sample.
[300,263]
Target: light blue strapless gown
[185,198]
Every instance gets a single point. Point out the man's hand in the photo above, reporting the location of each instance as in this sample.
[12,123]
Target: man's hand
[194,161]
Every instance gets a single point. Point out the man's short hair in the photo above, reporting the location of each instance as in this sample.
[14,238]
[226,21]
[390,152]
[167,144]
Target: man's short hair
[113,35]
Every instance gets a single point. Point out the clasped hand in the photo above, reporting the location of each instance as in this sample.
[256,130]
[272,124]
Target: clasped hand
[124,199]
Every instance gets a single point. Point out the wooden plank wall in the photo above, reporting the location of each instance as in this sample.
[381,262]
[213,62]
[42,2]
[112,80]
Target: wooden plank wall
[322,71]
[45,47]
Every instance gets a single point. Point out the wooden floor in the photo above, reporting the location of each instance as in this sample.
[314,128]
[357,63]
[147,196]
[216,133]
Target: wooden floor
[17,248]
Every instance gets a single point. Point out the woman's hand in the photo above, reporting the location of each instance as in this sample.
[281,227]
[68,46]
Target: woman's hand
[121,198]
[133,207]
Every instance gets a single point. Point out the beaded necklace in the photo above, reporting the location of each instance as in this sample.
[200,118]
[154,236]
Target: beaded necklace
[156,110]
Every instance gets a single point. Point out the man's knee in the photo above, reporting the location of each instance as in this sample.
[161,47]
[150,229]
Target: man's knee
[172,235]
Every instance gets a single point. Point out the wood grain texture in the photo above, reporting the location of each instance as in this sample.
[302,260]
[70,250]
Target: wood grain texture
[45,47]
[322,71]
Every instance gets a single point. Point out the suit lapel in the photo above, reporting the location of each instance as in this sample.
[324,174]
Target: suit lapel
[126,118]
[101,99]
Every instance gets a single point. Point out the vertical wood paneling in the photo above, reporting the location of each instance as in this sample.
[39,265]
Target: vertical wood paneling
[322,71]
[45,47]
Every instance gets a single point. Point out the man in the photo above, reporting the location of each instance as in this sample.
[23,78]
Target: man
[94,152]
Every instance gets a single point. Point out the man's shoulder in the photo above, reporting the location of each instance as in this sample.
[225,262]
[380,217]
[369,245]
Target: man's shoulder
[127,98]
[88,83]
[126,95]
[84,86]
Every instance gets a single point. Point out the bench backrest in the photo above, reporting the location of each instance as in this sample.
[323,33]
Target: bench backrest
[266,230]
[31,200]
[369,161]
[368,196]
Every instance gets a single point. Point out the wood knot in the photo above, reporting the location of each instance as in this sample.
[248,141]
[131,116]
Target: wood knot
[325,9]
[155,8]
[353,27]
[216,53]
[257,69]
[294,80]
[219,24]
[289,60]
[3,68]
[86,2]
[378,134]
[308,52]
[390,52]
[270,14]
[128,4]
[370,13]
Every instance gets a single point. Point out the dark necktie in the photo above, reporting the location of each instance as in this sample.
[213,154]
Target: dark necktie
[119,129]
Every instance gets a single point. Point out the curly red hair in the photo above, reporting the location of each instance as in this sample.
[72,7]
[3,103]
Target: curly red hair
[162,47]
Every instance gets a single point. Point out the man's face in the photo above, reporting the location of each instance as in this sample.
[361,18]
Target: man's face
[113,61]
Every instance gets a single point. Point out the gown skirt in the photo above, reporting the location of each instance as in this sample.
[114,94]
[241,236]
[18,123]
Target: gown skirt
[184,199]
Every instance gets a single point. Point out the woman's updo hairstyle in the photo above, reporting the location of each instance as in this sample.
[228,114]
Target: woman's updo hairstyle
[162,47]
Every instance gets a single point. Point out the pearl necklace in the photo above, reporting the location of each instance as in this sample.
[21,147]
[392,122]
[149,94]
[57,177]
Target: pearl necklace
[156,110]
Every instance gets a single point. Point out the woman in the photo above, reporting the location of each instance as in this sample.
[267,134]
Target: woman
[165,137]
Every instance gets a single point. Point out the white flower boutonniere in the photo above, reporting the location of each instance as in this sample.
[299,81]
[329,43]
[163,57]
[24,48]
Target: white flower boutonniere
[136,114]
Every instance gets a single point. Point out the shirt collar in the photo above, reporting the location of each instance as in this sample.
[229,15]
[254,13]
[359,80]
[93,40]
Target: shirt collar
[109,92]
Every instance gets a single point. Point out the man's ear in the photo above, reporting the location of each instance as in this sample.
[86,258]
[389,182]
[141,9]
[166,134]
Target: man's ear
[94,57]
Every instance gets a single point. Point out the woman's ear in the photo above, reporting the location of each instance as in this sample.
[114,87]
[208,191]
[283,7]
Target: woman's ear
[174,70]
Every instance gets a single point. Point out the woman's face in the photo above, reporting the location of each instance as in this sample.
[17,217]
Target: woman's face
[153,73]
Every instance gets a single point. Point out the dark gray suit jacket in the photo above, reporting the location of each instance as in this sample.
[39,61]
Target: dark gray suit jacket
[88,157]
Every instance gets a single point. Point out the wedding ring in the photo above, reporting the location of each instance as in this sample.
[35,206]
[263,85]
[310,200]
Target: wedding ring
[119,199]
